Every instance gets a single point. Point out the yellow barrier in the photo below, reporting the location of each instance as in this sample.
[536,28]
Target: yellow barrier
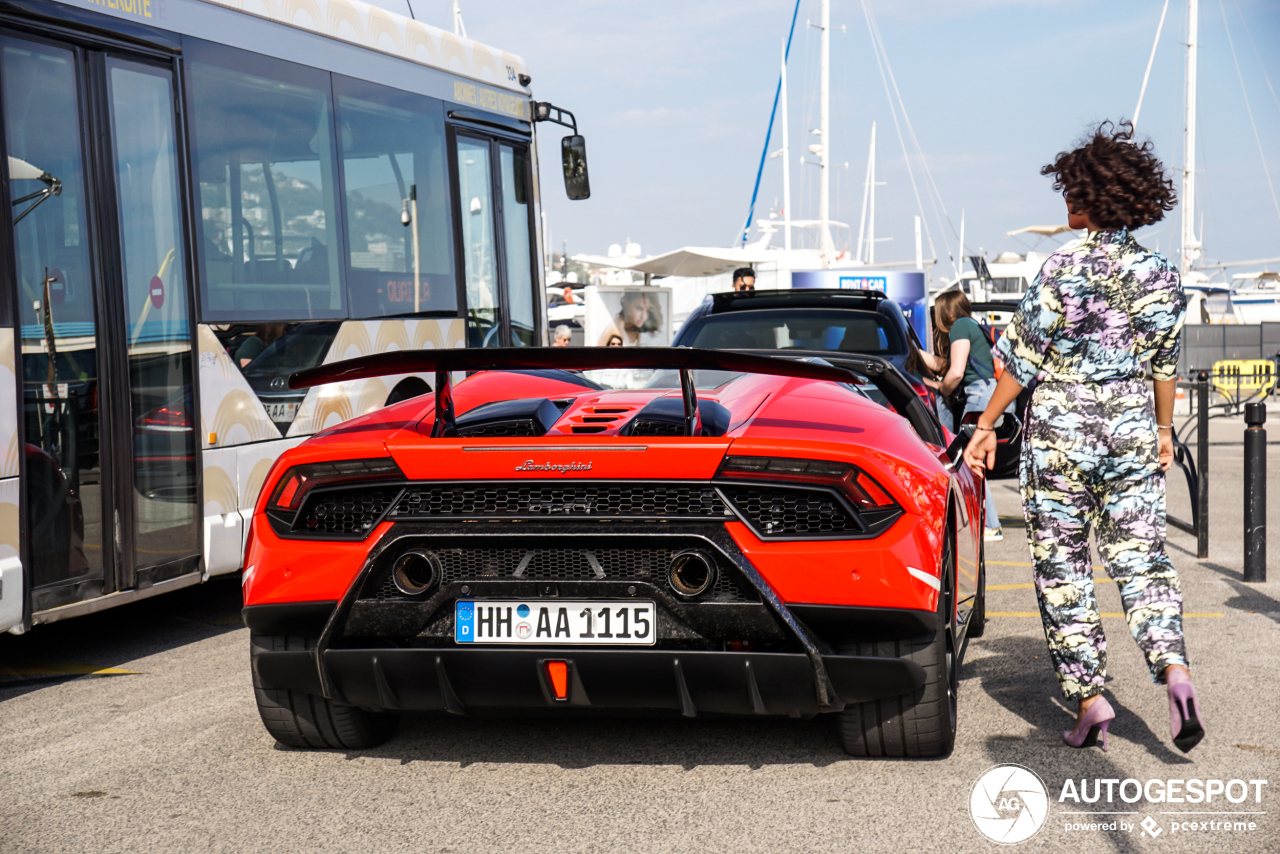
[1236,379]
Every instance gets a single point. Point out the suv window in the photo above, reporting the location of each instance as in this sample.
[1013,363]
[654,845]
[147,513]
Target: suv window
[798,329]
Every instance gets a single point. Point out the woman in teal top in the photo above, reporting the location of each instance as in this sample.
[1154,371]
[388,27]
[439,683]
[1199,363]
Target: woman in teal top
[968,365]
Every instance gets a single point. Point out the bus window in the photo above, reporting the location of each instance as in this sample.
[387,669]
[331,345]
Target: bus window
[263,147]
[514,163]
[157,323]
[393,166]
[475,195]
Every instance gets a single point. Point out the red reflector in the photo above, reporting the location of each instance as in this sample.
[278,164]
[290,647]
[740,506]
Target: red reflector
[558,673]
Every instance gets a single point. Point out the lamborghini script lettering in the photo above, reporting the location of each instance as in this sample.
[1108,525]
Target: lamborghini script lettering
[530,465]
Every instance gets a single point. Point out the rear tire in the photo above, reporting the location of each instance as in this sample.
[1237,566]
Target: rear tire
[297,719]
[911,725]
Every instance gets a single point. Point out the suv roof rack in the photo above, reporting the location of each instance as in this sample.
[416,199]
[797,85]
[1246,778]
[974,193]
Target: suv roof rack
[865,300]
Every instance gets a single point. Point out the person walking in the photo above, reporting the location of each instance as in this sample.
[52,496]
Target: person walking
[1095,448]
[968,371]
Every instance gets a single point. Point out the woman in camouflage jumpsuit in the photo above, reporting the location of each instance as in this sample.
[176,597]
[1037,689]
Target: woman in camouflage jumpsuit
[1095,447]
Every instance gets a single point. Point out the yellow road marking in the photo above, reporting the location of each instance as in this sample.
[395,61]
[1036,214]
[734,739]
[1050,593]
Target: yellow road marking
[64,667]
[1028,586]
[1105,614]
[1095,567]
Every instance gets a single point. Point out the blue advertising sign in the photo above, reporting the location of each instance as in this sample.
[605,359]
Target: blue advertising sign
[905,287]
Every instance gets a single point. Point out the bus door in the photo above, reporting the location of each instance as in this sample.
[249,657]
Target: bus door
[494,208]
[99,264]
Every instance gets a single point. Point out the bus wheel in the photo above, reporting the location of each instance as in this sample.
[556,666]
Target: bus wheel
[407,388]
[305,720]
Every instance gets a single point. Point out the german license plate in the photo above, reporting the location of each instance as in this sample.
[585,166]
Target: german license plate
[282,411]
[556,622]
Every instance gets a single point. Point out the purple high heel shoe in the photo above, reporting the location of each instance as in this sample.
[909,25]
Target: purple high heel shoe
[1095,720]
[1184,710]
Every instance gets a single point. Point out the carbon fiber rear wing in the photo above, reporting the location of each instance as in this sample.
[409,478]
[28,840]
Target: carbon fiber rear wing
[682,359]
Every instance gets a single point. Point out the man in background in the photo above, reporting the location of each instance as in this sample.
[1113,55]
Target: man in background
[744,280]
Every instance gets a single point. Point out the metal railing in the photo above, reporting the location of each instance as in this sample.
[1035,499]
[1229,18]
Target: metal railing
[1196,470]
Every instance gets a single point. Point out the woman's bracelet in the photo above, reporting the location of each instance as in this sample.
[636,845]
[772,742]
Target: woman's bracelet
[1164,426]
[980,427]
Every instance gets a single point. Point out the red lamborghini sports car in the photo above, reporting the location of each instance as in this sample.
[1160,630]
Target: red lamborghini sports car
[699,531]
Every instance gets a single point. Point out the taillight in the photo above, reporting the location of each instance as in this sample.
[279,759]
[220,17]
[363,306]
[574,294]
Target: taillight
[860,487]
[166,419]
[925,393]
[298,480]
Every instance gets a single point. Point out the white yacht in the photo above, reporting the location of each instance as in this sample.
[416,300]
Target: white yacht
[1255,298]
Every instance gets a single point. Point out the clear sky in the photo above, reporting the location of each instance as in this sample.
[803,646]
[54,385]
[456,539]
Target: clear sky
[673,97]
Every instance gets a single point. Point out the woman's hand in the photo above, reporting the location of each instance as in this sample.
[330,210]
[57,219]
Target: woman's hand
[980,453]
[932,383]
[1166,449]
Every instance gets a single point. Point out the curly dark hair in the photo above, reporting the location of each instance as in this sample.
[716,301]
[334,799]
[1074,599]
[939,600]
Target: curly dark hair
[1117,182]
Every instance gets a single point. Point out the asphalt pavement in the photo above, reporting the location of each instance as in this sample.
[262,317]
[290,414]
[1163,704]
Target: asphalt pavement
[134,730]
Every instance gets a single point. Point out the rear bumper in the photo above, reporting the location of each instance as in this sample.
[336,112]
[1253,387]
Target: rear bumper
[461,680]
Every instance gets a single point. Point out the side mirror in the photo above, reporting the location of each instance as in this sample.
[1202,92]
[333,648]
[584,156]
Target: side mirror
[1007,425]
[573,152]
[955,451]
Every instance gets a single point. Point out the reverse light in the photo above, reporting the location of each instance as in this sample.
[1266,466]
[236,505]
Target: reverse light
[298,480]
[861,488]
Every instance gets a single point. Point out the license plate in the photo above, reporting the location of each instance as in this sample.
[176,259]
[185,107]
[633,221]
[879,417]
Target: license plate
[556,622]
[282,411]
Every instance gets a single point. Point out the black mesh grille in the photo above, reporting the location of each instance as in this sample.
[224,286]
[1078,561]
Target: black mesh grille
[354,512]
[560,501]
[518,427]
[483,564]
[792,512]
[648,427]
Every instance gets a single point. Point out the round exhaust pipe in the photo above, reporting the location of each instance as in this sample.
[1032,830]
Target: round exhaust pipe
[416,572]
[691,573]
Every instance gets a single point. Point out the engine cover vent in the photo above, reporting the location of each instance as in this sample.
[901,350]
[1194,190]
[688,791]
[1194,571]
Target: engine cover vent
[527,417]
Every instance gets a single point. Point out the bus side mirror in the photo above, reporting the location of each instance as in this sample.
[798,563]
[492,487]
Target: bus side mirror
[573,152]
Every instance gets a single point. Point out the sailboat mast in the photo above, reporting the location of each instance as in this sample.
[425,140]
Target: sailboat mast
[459,28]
[786,159]
[871,200]
[824,189]
[1190,246]
[860,252]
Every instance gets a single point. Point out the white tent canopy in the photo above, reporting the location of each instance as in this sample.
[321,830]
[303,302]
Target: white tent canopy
[700,261]
[689,261]
[1042,230]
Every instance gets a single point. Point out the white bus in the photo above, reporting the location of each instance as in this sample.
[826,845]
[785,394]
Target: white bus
[207,195]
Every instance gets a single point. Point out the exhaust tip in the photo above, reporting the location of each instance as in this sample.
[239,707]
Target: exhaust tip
[416,572]
[691,573]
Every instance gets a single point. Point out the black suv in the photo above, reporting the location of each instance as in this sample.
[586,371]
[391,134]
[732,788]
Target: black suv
[819,322]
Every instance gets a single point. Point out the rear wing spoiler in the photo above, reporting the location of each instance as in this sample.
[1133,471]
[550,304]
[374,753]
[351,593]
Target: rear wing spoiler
[683,359]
